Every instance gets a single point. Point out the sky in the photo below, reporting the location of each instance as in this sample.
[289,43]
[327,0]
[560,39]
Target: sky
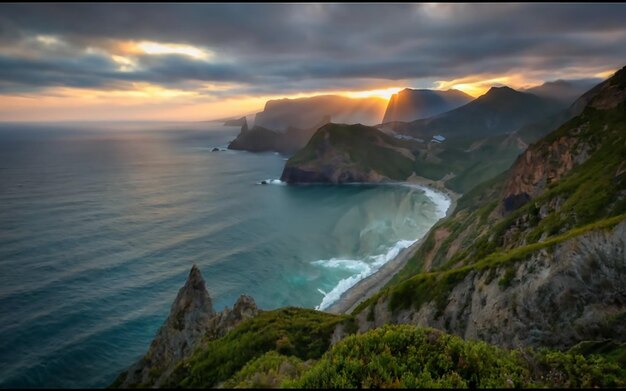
[194,62]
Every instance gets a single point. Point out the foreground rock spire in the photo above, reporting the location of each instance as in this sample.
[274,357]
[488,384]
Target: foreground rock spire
[191,319]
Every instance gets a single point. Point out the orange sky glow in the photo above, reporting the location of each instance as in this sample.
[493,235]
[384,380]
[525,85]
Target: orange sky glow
[146,101]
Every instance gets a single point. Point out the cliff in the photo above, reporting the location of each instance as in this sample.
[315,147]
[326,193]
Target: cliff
[303,348]
[286,125]
[191,321]
[340,153]
[409,105]
[536,255]
[304,113]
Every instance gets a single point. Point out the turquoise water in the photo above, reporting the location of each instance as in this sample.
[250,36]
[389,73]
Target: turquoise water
[100,224]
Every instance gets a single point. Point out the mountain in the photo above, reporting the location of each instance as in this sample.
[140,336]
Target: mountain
[501,110]
[535,256]
[340,153]
[409,105]
[565,92]
[304,113]
[260,139]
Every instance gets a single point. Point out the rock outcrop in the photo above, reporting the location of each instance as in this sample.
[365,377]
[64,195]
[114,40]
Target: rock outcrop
[559,297]
[536,256]
[191,321]
[410,105]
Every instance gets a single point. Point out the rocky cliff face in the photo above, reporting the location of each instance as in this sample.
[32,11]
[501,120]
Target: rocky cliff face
[557,297]
[409,105]
[550,159]
[535,256]
[191,320]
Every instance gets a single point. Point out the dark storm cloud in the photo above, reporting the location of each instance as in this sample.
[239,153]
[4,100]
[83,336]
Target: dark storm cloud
[280,48]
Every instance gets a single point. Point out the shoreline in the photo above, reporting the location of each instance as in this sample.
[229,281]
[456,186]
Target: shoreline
[370,285]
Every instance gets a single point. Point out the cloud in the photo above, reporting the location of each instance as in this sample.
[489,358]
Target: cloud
[278,49]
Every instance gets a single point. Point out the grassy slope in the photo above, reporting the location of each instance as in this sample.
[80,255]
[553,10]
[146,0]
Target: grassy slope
[298,332]
[290,348]
[590,192]
[409,357]
[367,148]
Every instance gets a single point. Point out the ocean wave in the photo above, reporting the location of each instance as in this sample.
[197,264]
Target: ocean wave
[363,268]
[271,182]
[441,200]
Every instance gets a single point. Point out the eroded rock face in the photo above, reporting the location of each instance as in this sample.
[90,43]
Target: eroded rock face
[541,165]
[191,320]
[558,297]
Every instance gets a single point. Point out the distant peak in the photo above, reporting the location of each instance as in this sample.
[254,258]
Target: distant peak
[195,279]
[500,89]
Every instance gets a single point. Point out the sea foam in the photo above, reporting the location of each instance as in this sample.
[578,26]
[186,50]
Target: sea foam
[271,182]
[372,264]
[364,269]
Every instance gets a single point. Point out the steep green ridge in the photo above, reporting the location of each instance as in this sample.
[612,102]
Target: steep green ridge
[291,348]
[303,333]
[357,153]
[351,153]
[409,357]
[586,157]
[546,234]
[435,286]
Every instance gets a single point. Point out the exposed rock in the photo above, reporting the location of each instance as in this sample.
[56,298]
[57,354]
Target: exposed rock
[557,298]
[183,328]
[191,320]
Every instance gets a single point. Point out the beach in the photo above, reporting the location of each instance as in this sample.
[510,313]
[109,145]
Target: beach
[370,285]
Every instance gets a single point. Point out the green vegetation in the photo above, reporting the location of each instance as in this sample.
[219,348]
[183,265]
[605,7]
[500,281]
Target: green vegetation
[298,332]
[410,357]
[267,371]
[367,148]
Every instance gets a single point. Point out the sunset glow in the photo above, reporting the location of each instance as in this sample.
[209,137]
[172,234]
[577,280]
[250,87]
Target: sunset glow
[201,62]
[161,48]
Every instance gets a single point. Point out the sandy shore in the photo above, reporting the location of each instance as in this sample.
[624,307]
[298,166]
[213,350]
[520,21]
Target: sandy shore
[370,285]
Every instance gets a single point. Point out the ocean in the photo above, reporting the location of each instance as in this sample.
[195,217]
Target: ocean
[100,224]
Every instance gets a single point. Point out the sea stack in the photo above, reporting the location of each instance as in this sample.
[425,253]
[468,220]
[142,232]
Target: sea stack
[191,320]
[184,327]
